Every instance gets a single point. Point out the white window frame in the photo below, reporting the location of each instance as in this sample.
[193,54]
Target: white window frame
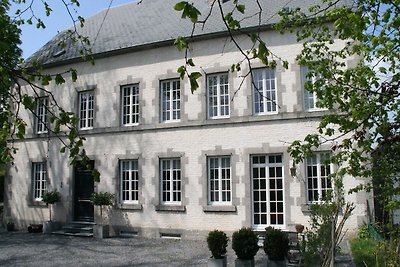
[309,98]
[129,181]
[265,96]
[86,110]
[130,110]
[317,184]
[39,180]
[218,96]
[219,180]
[279,193]
[170,99]
[42,115]
[172,188]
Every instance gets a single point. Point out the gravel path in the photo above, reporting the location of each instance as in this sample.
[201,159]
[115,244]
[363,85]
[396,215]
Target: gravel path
[25,249]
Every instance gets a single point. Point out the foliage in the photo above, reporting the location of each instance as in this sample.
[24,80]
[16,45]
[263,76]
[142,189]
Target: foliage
[245,243]
[363,232]
[364,251]
[17,75]
[276,244]
[102,198]
[51,197]
[217,242]
[325,232]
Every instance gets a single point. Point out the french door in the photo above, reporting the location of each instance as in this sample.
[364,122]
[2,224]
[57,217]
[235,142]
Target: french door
[268,205]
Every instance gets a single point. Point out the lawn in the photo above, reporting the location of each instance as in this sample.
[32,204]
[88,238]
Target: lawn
[365,252]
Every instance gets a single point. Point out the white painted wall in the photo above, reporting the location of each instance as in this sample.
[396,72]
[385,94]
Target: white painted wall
[192,138]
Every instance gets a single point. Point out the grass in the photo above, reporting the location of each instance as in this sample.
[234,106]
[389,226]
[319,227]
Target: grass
[365,252]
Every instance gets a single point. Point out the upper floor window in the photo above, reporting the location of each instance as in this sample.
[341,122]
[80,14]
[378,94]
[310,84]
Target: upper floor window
[264,91]
[319,185]
[86,109]
[218,95]
[171,182]
[130,104]
[42,114]
[170,100]
[219,180]
[39,174]
[310,98]
[129,181]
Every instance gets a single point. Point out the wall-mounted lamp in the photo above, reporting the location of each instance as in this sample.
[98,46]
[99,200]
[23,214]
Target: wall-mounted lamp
[293,170]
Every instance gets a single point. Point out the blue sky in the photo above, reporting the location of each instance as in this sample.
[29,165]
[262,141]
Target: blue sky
[33,38]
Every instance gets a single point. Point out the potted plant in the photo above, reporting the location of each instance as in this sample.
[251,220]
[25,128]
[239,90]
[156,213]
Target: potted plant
[101,199]
[245,245]
[299,228]
[49,197]
[10,226]
[217,242]
[276,246]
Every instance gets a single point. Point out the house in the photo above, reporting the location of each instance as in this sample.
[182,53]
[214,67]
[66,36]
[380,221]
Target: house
[180,164]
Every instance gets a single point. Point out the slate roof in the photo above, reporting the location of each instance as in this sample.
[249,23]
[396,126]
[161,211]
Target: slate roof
[152,23]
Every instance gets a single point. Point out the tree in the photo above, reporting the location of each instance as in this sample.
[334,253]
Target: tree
[15,73]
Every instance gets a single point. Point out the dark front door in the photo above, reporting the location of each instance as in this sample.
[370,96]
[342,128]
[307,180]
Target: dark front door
[84,187]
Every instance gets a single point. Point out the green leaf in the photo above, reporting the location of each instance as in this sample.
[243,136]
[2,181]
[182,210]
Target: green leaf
[180,6]
[59,79]
[241,8]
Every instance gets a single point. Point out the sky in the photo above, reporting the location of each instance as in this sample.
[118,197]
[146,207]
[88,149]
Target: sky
[33,39]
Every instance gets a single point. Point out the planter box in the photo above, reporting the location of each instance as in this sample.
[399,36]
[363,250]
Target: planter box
[51,226]
[217,262]
[35,228]
[244,263]
[101,231]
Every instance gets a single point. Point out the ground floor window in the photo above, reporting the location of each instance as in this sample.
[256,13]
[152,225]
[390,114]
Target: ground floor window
[219,180]
[171,182]
[129,181]
[319,184]
[268,190]
[39,174]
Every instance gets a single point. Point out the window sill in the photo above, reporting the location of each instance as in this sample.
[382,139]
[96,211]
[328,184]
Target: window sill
[36,203]
[130,206]
[219,208]
[170,208]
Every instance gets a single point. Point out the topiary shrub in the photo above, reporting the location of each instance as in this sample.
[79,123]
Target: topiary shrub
[276,244]
[244,243]
[217,242]
[102,199]
[51,197]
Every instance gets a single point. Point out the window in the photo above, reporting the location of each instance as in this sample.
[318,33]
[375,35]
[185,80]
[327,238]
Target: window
[264,90]
[39,180]
[318,182]
[41,114]
[171,181]
[86,109]
[268,190]
[310,98]
[218,95]
[219,180]
[130,105]
[129,181]
[170,100]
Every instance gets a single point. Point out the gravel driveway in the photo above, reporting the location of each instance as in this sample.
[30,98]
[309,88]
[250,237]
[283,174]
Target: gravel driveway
[25,249]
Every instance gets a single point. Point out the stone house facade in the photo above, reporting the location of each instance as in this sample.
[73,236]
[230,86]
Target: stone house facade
[180,164]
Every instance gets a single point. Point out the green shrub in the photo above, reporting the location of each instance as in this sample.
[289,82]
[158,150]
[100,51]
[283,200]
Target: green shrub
[363,232]
[245,243]
[50,197]
[364,252]
[217,242]
[276,244]
[102,198]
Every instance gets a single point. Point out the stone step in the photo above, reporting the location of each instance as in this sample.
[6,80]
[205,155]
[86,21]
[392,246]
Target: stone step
[84,229]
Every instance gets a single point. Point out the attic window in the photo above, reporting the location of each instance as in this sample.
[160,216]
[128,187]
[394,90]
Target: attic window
[59,53]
